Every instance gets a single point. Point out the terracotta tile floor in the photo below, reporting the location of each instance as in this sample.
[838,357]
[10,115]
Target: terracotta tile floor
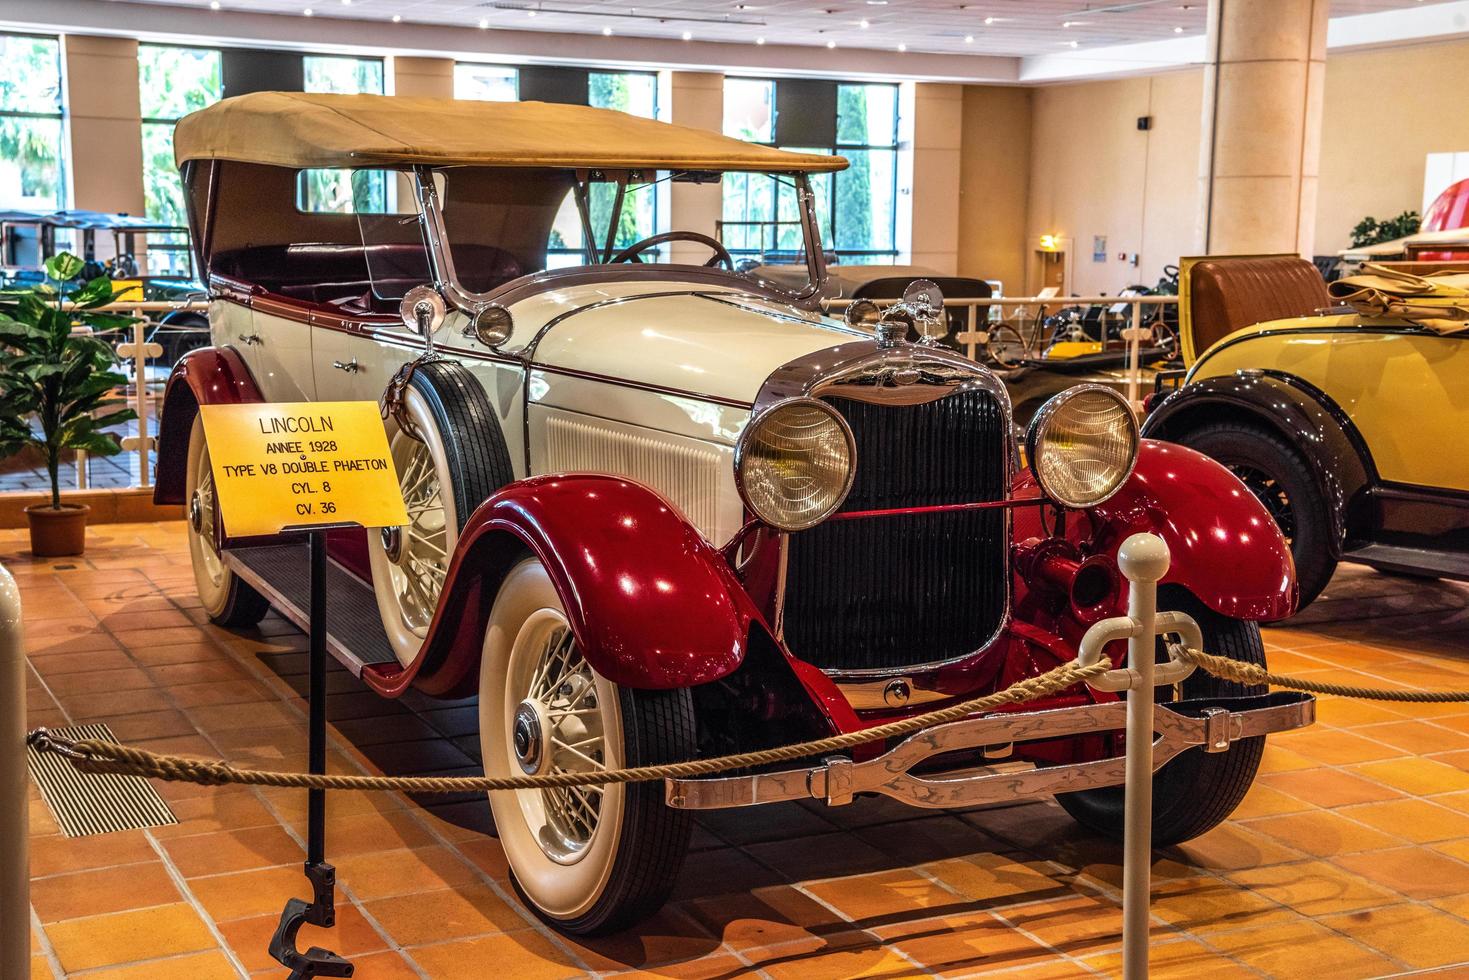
[1349,859]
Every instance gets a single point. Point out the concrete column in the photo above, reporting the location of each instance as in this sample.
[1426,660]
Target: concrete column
[931,175]
[696,100]
[427,77]
[1261,133]
[104,124]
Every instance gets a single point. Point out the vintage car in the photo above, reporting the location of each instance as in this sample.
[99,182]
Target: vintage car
[660,511]
[1348,423]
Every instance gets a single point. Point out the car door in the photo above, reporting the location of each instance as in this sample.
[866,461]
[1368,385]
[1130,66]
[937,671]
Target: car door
[277,349]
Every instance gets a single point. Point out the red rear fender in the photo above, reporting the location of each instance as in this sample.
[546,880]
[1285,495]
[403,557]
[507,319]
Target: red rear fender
[652,604]
[208,376]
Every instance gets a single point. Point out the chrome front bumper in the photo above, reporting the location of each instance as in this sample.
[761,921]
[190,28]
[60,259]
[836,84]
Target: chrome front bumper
[1211,723]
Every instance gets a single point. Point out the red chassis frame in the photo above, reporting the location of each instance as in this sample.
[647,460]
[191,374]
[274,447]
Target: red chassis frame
[654,605]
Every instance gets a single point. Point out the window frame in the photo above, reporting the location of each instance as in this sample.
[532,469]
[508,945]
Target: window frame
[836,149]
[146,121]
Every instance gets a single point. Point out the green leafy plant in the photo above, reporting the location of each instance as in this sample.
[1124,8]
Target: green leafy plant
[54,373]
[1370,231]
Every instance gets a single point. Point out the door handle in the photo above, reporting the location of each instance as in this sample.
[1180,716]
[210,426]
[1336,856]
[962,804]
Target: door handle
[249,338]
[349,366]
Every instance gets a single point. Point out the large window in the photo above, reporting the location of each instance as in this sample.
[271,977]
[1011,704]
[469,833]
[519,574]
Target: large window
[32,157]
[347,191]
[486,83]
[173,82]
[856,208]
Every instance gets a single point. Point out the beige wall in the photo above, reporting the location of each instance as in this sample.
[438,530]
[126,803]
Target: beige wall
[424,77]
[928,225]
[1385,112]
[994,184]
[695,99]
[103,123]
[1093,172]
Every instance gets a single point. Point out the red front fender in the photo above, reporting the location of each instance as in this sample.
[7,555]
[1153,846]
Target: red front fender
[652,604]
[208,376]
[1226,548]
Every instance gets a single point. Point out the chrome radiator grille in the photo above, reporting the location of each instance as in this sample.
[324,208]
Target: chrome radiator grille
[895,592]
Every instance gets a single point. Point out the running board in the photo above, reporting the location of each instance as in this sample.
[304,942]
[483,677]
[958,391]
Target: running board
[1412,561]
[282,573]
[1210,723]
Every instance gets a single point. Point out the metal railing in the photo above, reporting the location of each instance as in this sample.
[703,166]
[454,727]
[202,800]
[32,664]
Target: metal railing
[1025,317]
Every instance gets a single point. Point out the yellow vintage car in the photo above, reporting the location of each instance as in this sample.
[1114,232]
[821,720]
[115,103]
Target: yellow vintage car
[1344,409]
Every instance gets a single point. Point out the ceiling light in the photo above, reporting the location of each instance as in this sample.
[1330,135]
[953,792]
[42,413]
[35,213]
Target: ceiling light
[863,23]
[990,20]
[484,23]
[830,44]
[968,38]
[902,47]
[1072,43]
[688,35]
[397,18]
[606,32]
[759,40]
[530,13]
[308,12]
[213,4]
[346,3]
[1178,30]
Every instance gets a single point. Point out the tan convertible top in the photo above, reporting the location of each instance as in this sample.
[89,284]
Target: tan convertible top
[298,129]
[1439,301]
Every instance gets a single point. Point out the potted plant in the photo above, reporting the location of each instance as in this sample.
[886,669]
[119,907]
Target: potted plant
[61,376]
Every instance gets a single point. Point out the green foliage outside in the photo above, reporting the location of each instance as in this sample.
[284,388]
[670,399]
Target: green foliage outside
[172,83]
[30,81]
[626,93]
[1370,231]
[60,378]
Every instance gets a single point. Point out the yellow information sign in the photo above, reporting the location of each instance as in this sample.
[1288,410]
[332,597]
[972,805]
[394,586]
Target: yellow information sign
[301,464]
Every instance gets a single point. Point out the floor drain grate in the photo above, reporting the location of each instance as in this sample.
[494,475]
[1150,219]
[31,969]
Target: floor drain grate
[85,803]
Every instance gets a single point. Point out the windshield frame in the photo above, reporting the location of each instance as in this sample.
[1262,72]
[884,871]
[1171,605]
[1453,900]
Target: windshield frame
[447,282]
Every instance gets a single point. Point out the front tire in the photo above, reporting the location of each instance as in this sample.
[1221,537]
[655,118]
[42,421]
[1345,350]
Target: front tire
[227,599]
[1283,482]
[591,860]
[1197,790]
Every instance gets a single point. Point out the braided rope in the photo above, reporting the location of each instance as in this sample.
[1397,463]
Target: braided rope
[92,755]
[1234,670]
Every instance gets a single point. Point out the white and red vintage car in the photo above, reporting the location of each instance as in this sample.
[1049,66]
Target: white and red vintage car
[661,510]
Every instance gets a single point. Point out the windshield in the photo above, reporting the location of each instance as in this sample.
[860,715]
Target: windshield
[498,224]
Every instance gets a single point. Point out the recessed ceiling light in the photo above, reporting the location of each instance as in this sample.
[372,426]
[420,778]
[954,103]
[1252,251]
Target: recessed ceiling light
[1178,30]
[484,23]
[397,18]
[606,32]
[863,23]
[688,35]
[530,13]
[1072,43]
[308,12]
[831,44]
[346,3]
[877,3]
[902,47]
[968,38]
[759,40]
[990,20]
[213,4]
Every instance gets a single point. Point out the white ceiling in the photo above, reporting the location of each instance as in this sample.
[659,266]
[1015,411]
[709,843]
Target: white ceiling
[1013,28]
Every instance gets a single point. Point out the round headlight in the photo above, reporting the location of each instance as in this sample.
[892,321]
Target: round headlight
[794,463]
[1082,445]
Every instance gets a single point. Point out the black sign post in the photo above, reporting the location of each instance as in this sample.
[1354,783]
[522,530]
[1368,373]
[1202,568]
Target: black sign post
[321,910]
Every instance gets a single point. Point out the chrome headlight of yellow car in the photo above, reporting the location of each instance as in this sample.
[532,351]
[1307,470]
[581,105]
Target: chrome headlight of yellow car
[794,463]
[1082,445]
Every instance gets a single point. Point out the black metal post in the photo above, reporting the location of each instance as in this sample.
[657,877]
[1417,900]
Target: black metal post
[321,910]
[316,706]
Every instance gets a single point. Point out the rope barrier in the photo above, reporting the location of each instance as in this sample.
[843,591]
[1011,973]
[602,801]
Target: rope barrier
[94,756]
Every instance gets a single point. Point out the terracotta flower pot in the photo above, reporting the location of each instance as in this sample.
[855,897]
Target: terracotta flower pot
[56,532]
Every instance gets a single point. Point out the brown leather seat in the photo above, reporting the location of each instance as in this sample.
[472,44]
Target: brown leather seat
[1227,293]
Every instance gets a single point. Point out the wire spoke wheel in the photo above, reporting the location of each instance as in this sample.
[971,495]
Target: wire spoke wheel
[227,600]
[1271,494]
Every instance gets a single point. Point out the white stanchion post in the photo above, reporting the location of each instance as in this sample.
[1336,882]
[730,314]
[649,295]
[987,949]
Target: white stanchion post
[1143,559]
[15,901]
[1134,361]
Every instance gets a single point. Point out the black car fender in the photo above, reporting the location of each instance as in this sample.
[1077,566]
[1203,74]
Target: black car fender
[1294,409]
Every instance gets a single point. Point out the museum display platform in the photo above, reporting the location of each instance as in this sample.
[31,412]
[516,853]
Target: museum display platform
[1350,857]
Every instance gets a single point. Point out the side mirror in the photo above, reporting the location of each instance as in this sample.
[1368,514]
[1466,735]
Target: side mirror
[422,310]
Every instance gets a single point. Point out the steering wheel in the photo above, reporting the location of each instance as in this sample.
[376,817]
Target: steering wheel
[721,254]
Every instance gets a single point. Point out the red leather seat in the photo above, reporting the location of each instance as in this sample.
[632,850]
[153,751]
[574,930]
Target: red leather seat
[1226,294]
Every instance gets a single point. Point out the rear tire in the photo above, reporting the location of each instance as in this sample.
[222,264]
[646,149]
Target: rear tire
[1282,481]
[1197,790]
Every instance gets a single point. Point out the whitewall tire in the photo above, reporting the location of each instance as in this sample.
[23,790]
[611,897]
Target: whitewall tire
[587,860]
[228,600]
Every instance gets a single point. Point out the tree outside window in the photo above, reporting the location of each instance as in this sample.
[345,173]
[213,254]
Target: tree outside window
[486,83]
[856,209]
[32,157]
[344,191]
[173,82]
